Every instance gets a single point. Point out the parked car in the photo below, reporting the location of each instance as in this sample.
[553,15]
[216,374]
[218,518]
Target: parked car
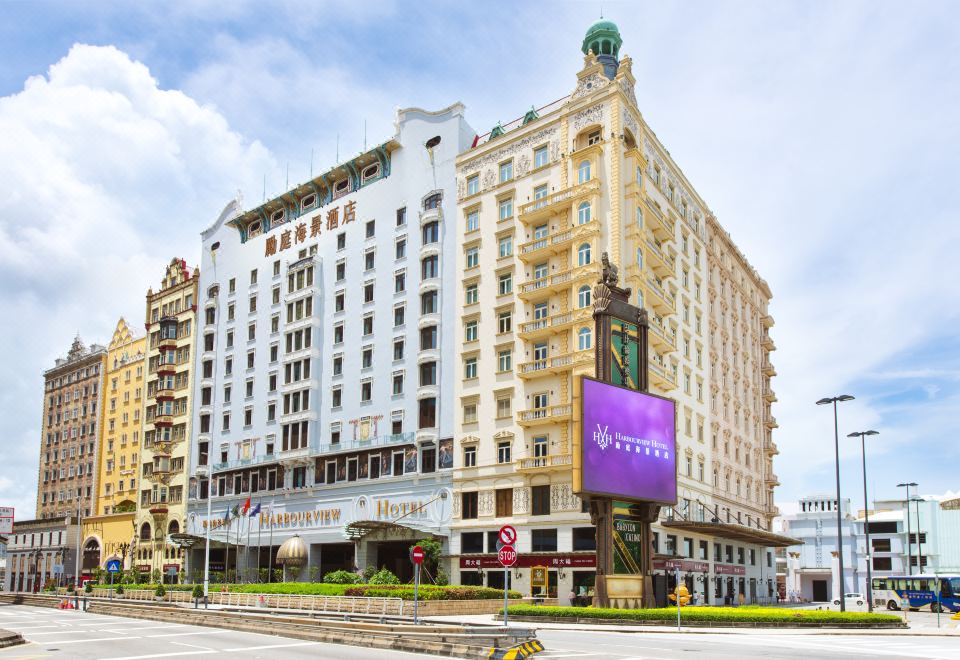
[850,599]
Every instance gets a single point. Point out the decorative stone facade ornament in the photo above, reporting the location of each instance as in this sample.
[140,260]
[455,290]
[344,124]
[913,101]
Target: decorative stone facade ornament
[521,501]
[530,142]
[489,179]
[461,189]
[627,88]
[587,116]
[523,165]
[589,84]
[563,499]
[631,123]
[485,503]
[456,507]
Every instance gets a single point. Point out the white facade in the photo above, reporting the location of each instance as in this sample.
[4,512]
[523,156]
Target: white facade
[321,352]
[813,568]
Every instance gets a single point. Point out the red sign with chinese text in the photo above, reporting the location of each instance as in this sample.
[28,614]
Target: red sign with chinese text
[529,561]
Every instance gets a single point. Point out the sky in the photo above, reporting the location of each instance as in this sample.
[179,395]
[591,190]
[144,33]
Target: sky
[823,136]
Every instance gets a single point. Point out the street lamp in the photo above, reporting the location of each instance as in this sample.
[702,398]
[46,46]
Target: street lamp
[909,549]
[916,500]
[836,447]
[866,513]
[204,471]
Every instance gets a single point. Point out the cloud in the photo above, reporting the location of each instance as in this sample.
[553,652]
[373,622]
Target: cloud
[106,178]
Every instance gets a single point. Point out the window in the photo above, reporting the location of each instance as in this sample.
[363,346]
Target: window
[583,171]
[540,156]
[504,502]
[468,508]
[583,254]
[429,267]
[541,500]
[371,228]
[503,452]
[584,539]
[473,257]
[470,368]
[336,398]
[540,193]
[473,184]
[583,296]
[584,339]
[505,246]
[506,209]
[583,213]
[506,171]
[398,349]
[543,540]
[470,413]
[341,240]
[472,294]
[401,251]
[398,316]
[428,338]
[432,202]
[505,321]
[473,220]
[504,360]
[505,284]
[504,406]
[430,232]
[399,282]
[401,216]
[368,325]
[366,390]
[470,331]
[469,457]
[338,333]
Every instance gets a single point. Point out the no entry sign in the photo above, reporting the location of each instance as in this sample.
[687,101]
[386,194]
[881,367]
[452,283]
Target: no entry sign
[507,556]
[508,535]
[416,555]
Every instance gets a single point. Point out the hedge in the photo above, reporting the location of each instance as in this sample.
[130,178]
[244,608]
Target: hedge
[428,592]
[405,591]
[736,614]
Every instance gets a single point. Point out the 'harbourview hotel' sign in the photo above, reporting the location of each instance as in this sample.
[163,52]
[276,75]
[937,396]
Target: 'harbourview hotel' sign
[320,390]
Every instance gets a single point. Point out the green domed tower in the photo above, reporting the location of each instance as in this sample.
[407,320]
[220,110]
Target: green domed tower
[603,38]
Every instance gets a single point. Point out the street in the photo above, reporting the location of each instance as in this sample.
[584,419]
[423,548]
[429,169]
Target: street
[71,634]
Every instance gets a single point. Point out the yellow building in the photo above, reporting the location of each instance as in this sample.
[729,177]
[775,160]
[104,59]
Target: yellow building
[171,330]
[108,533]
[540,199]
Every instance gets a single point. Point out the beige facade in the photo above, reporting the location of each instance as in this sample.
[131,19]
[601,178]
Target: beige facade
[171,332]
[539,202]
[72,413]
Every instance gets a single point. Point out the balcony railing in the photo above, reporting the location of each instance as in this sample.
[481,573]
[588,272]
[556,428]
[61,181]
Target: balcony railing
[307,452]
[552,240]
[544,415]
[545,462]
[555,364]
[554,322]
[563,278]
[551,202]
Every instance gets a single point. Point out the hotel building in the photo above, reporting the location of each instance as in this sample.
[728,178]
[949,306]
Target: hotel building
[167,421]
[73,393]
[539,201]
[324,368]
[111,525]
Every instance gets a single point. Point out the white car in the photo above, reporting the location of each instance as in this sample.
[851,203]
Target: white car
[850,599]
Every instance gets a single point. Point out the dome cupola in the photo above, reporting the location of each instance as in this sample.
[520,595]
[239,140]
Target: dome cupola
[603,38]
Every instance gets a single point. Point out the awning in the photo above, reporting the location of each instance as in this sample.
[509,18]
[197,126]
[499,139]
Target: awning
[733,532]
[360,528]
[293,552]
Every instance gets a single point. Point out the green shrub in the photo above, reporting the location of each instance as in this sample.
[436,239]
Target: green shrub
[70,588]
[88,588]
[341,577]
[160,591]
[369,572]
[383,576]
[119,589]
[428,592]
[739,614]
[197,591]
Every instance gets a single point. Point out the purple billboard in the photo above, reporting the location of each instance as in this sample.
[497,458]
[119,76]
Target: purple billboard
[628,444]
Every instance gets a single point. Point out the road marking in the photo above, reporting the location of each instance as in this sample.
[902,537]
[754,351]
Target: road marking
[85,641]
[271,646]
[201,632]
[160,655]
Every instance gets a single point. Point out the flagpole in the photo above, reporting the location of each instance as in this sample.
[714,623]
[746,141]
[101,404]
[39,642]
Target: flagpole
[270,551]
[259,529]
[246,549]
[226,560]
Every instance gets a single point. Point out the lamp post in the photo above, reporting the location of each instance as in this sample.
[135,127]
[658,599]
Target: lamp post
[916,501]
[866,513]
[836,447]
[909,549]
[204,471]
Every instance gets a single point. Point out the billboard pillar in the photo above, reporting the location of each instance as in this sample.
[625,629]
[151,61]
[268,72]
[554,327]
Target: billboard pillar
[621,359]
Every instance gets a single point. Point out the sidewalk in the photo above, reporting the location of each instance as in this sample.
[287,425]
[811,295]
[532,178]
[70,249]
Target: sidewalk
[948,628]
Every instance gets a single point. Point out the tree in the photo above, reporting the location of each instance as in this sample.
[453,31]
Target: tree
[431,559]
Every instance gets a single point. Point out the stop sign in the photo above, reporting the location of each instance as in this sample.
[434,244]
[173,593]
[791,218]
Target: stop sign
[507,556]
[417,555]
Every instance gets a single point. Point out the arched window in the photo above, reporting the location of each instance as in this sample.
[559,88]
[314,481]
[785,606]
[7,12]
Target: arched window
[583,213]
[583,254]
[432,202]
[583,172]
[254,229]
[584,296]
[370,172]
[584,339]
[145,531]
[174,527]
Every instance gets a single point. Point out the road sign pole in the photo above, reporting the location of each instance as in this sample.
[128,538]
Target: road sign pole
[111,585]
[677,591]
[506,578]
[416,592]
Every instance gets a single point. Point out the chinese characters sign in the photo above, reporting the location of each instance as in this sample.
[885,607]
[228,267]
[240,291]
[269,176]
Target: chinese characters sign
[298,233]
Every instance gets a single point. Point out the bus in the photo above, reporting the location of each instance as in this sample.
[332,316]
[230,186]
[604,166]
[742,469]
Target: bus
[929,592]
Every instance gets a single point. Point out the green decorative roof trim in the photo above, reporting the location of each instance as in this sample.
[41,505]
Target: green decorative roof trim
[496,131]
[530,116]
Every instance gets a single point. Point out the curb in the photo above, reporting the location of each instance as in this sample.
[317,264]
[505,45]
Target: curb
[524,650]
[8,638]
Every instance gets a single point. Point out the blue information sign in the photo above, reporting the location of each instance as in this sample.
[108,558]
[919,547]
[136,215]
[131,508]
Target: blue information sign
[113,566]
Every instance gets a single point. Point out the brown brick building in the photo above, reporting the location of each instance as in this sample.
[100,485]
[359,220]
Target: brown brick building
[72,412]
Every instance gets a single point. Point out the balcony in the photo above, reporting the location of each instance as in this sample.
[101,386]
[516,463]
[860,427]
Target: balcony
[659,301]
[661,377]
[554,323]
[166,368]
[767,369]
[555,364]
[167,343]
[769,395]
[244,462]
[158,510]
[657,222]
[548,415]
[299,456]
[658,260]
[165,394]
[771,479]
[767,321]
[163,420]
[661,339]
[557,202]
[551,244]
[543,463]
[377,441]
[559,281]
[767,342]
[770,421]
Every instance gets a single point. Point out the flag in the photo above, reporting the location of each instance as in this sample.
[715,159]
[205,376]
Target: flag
[236,510]
[246,506]
[255,510]
[226,518]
